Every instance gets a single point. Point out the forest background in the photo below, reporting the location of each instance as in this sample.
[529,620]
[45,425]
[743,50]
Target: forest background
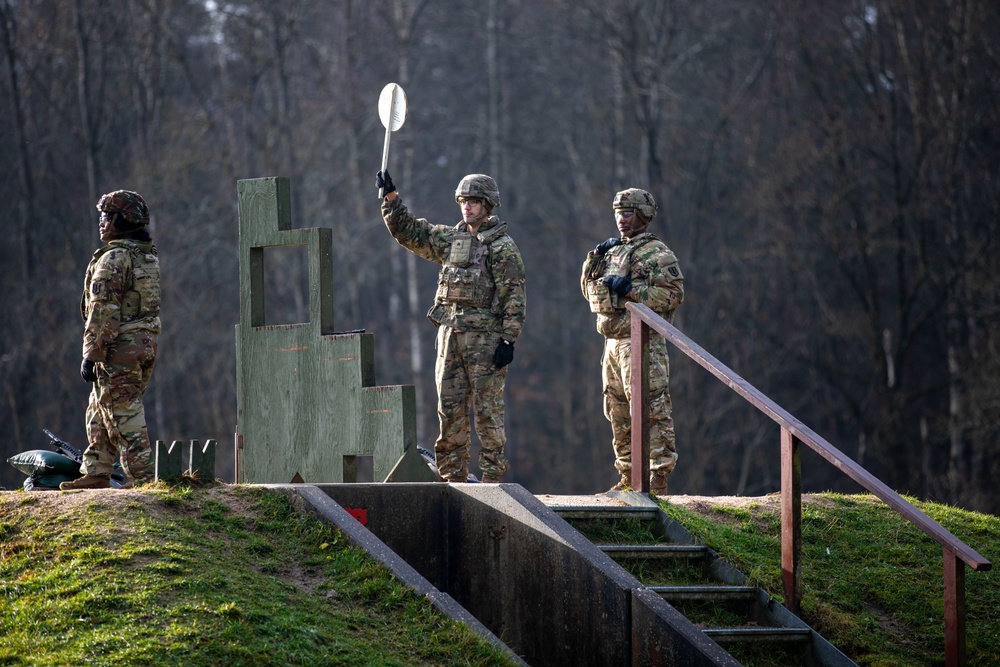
[828,175]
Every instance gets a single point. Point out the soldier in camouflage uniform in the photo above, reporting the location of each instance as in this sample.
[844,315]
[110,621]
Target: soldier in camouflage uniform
[479,312]
[636,267]
[121,311]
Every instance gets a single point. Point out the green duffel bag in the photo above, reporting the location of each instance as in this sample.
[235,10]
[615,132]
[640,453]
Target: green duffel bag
[41,462]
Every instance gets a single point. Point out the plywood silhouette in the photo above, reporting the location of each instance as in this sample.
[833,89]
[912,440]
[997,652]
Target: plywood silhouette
[306,395]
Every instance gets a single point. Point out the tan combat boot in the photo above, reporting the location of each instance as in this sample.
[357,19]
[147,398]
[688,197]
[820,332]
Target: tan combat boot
[624,484]
[86,482]
[490,479]
[658,484]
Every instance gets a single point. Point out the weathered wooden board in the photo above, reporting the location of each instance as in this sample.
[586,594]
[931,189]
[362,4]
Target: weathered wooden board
[306,396]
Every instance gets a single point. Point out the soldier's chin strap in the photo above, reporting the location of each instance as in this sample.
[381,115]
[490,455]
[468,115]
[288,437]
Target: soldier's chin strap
[479,218]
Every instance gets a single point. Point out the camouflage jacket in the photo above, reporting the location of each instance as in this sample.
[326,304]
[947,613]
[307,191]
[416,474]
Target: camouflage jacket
[656,282]
[121,292]
[499,302]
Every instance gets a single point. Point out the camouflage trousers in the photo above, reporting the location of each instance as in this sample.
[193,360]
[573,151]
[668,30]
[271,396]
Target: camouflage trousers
[116,420]
[467,380]
[617,384]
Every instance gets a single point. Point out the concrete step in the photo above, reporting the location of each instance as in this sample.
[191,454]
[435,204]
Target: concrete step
[654,550]
[676,593]
[606,512]
[758,634]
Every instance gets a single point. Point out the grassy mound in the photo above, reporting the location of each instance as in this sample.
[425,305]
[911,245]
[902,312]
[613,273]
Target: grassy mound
[234,575]
[222,575]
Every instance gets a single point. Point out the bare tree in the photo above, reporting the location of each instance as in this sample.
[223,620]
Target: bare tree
[8,31]
[827,176]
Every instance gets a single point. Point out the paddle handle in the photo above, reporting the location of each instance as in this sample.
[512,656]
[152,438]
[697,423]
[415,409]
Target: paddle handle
[385,144]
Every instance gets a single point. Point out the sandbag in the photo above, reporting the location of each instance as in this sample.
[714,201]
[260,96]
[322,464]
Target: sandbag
[47,482]
[42,462]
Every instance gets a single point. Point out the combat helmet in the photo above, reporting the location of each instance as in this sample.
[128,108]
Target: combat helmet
[479,186]
[637,199]
[132,207]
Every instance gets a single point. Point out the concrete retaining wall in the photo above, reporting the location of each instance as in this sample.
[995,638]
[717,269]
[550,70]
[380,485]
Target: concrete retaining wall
[518,570]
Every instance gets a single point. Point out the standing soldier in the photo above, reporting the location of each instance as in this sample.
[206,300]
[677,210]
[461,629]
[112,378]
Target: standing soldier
[121,312]
[479,312]
[636,267]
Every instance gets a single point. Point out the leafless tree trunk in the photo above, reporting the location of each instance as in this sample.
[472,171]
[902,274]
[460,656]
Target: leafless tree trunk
[89,89]
[826,173]
[26,222]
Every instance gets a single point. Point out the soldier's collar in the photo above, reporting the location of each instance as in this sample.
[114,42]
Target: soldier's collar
[632,239]
[492,229]
[141,246]
[489,230]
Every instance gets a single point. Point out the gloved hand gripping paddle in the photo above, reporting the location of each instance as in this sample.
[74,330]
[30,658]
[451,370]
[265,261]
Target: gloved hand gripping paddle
[392,113]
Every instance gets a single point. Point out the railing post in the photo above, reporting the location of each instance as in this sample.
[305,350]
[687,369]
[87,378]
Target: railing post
[639,405]
[954,610]
[791,519]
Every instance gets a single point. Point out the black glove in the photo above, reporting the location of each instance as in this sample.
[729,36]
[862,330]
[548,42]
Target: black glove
[618,285]
[504,354]
[87,371]
[383,181]
[605,246]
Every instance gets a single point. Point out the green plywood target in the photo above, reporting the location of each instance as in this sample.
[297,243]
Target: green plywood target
[306,395]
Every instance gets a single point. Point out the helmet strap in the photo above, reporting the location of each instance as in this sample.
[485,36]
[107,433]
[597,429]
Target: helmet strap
[479,218]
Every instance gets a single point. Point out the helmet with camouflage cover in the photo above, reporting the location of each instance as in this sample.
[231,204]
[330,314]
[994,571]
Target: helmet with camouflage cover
[479,186]
[132,207]
[637,199]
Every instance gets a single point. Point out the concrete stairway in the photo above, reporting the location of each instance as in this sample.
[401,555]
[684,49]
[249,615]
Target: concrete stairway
[753,627]
[510,566]
[494,557]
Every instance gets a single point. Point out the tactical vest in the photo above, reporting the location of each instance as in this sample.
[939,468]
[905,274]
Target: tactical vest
[614,263]
[464,278]
[140,301]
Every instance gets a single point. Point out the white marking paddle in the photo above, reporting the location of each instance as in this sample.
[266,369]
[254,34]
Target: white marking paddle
[392,113]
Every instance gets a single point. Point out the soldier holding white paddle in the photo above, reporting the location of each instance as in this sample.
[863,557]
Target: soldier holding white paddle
[479,308]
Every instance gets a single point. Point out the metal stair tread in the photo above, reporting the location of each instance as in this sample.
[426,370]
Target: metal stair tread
[758,634]
[705,592]
[605,512]
[653,550]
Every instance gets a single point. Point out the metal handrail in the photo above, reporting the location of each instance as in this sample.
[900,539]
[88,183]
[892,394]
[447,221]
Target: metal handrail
[793,434]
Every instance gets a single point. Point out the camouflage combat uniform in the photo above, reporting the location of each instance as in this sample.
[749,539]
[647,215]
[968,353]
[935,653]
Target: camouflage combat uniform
[656,282]
[480,299]
[121,311]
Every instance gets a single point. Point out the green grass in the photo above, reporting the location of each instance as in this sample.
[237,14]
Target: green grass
[234,575]
[872,583]
[220,576]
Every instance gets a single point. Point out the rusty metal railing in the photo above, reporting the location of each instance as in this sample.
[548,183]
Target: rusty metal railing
[793,434]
